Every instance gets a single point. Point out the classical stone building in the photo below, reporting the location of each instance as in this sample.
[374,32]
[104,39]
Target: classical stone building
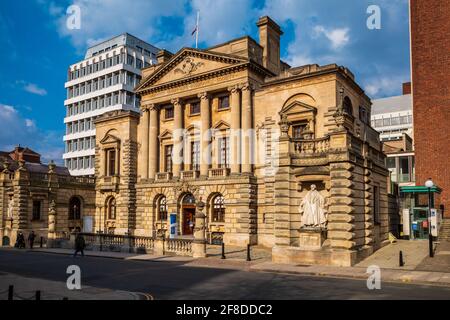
[42,198]
[248,135]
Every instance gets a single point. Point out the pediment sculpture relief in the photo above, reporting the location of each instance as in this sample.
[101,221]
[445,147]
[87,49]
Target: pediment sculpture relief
[188,66]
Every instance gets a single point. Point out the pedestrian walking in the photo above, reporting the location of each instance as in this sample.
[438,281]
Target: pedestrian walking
[20,241]
[80,244]
[31,238]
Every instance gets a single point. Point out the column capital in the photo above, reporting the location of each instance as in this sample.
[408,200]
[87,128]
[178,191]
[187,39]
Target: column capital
[147,106]
[247,86]
[204,95]
[234,89]
[176,101]
[152,107]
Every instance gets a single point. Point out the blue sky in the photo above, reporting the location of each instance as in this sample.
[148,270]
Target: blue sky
[37,47]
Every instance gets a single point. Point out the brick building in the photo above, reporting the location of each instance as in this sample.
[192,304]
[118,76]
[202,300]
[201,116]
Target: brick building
[430,47]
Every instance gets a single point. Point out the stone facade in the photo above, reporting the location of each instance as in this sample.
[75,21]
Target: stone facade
[242,131]
[34,196]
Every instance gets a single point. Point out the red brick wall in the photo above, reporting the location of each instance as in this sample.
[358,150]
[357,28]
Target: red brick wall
[430,48]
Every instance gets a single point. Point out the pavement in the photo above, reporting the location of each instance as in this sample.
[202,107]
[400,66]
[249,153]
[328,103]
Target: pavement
[184,280]
[418,268]
[24,288]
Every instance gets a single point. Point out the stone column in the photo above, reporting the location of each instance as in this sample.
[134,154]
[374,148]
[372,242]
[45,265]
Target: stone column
[143,136]
[153,142]
[235,134]
[205,134]
[199,243]
[177,137]
[247,133]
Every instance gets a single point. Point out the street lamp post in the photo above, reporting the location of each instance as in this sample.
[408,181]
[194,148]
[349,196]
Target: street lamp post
[429,184]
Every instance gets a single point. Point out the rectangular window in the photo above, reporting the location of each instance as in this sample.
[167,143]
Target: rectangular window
[36,210]
[395,121]
[386,122]
[376,205]
[195,107]
[169,112]
[138,64]
[378,122]
[168,158]
[224,152]
[224,102]
[404,169]
[111,161]
[297,130]
[195,155]
[130,60]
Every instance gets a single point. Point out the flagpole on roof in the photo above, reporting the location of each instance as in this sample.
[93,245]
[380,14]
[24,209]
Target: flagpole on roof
[196,33]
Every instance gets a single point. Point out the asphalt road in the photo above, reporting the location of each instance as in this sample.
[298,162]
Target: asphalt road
[173,280]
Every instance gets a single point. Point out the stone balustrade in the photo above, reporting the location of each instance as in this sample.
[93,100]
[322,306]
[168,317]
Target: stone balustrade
[181,247]
[315,146]
[218,172]
[190,175]
[163,176]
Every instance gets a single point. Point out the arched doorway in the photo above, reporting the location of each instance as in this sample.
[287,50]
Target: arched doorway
[187,211]
[75,214]
[5,241]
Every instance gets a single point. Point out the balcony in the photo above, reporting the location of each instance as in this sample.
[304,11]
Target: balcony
[109,183]
[163,176]
[190,175]
[219,172]
[311,147]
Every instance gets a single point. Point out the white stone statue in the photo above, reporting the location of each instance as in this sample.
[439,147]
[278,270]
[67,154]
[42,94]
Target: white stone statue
[313,210]
[10,208]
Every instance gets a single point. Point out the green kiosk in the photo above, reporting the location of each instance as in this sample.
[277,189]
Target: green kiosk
[415,217]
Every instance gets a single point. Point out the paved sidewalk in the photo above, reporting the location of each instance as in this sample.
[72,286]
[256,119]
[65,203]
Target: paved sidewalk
[387,275]
[388,257]
[25,289]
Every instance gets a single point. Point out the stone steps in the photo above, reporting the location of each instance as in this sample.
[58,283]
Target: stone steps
[444,233]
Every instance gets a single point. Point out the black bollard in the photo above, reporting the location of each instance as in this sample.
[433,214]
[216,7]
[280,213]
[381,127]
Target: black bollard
[223,251]
[400,258]
[42,242]
[10,292]
[38,295]
[248,253]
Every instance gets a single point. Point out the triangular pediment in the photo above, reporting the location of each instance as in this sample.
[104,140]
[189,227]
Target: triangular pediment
[109,139]
[297,108]
[166,134]
[221,125]
[189,63]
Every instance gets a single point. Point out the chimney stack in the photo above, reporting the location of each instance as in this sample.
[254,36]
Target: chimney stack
[163,56]
[269,38]
[406,88]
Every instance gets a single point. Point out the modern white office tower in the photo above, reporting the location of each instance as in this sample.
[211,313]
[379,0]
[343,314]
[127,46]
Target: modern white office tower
[102,82]
[393,116]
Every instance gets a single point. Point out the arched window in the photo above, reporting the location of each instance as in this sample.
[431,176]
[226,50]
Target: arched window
[111,208]
[75,208]
[218,209]
[348,107]
[189,199]
[162,208]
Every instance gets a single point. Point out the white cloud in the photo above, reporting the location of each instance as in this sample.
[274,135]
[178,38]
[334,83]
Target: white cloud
[384,86]
[17,130]
[35,89]
[338,37]
[104,19]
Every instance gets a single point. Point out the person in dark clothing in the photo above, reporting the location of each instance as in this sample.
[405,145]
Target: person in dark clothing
[80,244]
[31,238]
[20,241]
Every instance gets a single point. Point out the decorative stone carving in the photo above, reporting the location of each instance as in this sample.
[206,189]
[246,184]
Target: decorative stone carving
[188,66]
[284,126]
[339,115]
[10,212]
[313,210]
[52,217]
[22,165]
[6,165]
[51,167]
